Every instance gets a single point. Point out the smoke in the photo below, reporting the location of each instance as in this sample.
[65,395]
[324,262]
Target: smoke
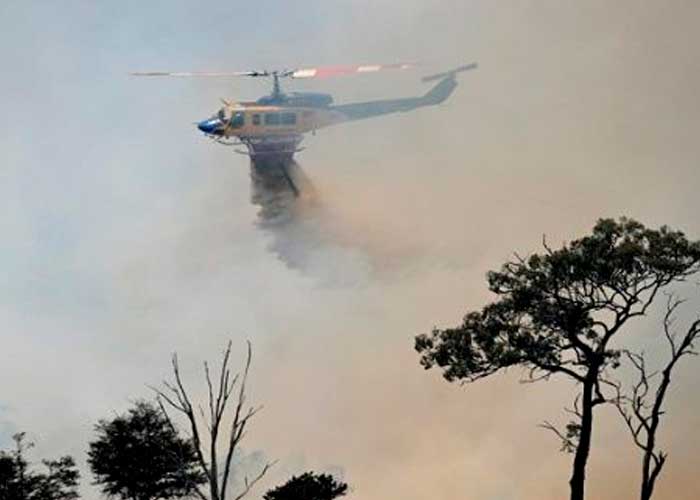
[302,232]
[352,231]
[126,238]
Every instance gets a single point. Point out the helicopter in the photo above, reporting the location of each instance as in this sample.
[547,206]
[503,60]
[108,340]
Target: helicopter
[272,127]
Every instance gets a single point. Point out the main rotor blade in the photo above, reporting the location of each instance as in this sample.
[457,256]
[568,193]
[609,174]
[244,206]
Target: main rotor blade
[196,74]
[317,72]
[327,71]
[440,76]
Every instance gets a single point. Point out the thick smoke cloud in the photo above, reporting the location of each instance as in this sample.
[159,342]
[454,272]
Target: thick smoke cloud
[126,237]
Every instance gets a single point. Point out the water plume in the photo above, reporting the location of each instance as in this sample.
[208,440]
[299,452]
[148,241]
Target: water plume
[302,231]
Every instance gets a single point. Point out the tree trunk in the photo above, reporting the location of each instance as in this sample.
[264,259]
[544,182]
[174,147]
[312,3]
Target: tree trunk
[213,488]
[578,476]
[213,471]
[647,481]
[650,471]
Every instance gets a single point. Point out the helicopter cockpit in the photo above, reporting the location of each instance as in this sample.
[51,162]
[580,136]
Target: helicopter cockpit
[234,119]
[224,118]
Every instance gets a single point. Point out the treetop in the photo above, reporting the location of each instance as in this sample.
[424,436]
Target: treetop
[556,311]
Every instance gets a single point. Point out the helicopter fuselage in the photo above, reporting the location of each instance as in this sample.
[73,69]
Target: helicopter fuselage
[256,121]
[277,123]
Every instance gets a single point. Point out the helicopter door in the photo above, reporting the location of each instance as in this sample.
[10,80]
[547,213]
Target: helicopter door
[237,119]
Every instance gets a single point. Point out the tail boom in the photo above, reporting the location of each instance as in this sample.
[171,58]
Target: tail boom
[439,93]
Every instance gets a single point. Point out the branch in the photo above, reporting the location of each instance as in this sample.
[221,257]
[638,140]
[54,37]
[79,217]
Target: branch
[195,486]
[561,369]
[567,443]
[238,424]
[175,395]
[642,411]
[249,484]
[184,406]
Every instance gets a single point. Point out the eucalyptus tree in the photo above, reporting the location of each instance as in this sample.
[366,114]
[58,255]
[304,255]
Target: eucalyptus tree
[558,312]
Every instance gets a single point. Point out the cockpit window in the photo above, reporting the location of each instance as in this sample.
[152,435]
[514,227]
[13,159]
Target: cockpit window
[238,119]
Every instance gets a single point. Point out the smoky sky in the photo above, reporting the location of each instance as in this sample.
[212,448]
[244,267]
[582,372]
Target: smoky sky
[127,236]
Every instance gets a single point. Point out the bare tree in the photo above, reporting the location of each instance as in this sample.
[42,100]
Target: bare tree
[209,427]
[642,407]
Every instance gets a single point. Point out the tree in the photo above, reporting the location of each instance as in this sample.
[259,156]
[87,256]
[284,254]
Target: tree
[140,456]
[59,483]
[308,486]
[206,439]
[8,477]
[19,482]
[642,407]
[13,469]
[557,313]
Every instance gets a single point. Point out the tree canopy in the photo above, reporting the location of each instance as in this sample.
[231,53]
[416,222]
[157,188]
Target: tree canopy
[308,486]
[140,456]
[19,482]
[557,312]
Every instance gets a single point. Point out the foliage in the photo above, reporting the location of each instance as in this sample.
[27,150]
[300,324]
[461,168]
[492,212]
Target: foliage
[308,486]
[19,482]
[10,483]
[557,312]
[552,308]
[141,456]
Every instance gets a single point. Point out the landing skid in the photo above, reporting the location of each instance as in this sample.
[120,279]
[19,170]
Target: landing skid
[264,146]
[281,152]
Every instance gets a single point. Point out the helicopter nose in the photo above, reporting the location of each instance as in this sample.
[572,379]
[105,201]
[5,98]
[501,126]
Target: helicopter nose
[210,126]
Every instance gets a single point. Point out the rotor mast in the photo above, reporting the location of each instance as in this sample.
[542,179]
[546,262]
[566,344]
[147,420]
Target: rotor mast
[276,89]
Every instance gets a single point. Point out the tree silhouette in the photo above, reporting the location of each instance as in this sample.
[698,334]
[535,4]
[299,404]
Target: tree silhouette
[308,486]
[226,391]
[557,312]
[19,482]
[140,456]
[641,407]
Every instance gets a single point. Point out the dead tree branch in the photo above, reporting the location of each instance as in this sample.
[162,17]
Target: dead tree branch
[211,424]
[641,407]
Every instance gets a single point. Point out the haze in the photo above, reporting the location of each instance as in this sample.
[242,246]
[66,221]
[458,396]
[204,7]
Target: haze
[126,235]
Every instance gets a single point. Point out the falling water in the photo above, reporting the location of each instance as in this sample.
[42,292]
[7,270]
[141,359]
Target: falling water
[302,232]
